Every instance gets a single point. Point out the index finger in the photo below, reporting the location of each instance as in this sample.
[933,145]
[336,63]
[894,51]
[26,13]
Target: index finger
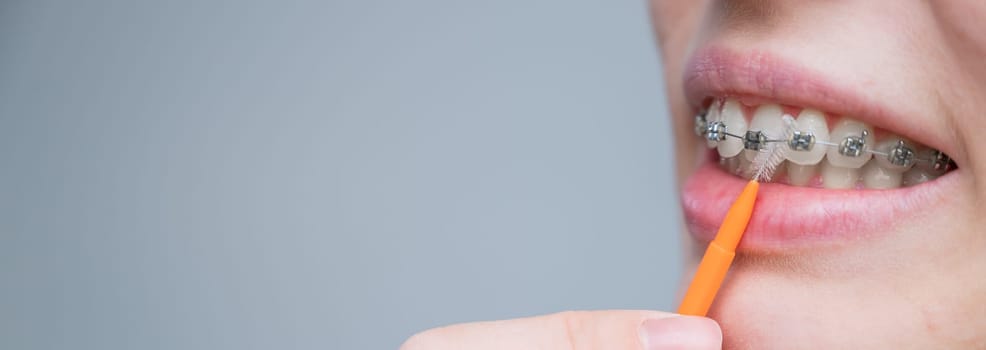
[620,329]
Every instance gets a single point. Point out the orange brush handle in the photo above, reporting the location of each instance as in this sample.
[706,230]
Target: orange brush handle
[712,270]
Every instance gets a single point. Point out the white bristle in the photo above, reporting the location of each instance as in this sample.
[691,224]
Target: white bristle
[765,163]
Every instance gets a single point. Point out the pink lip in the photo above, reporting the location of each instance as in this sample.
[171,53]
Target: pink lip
[765,77]
[787,217]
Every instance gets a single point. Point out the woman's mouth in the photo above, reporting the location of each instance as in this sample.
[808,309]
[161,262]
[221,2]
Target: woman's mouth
[852,155]
[851,169]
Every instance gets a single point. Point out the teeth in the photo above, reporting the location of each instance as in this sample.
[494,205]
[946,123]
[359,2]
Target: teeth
[735,165]
[849,128]
[742,166]
[936,163]
[876,176]
[846,157]
[767,119]
[836,177]
[800,175]
[810,120]
[921,171]
[781,170]
[899,154]
[916,176]
[732,115]
[730,165]
[714,115]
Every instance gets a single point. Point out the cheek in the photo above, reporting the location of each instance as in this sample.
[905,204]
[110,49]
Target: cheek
[675,22]
[675,25]
[962,84]
[962,22]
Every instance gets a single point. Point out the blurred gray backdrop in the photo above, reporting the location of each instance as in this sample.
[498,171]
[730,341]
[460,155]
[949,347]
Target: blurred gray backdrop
[325,174]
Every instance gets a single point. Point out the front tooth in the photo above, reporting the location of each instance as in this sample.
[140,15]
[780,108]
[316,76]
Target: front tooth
[714,115]
[768,119]
[813,121]
[846,128]
[800,175]
[732,116]
[875,176]
[837,177]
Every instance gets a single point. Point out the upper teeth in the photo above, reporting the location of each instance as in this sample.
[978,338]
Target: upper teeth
[850,144]
[732,117]
[767,123]
[852,137]
[810,122]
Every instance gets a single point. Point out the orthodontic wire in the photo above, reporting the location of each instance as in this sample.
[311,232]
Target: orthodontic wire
[703,128]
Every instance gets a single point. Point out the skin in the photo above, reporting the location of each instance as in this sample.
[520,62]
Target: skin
[916,285]
[614,329]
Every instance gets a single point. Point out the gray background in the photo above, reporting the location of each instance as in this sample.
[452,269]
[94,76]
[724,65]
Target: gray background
[291,174]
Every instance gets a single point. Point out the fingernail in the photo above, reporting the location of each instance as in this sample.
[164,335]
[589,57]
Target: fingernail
[680,332]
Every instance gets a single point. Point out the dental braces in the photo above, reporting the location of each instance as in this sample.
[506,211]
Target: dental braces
[899,156]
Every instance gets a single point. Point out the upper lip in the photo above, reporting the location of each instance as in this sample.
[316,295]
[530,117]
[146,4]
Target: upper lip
[719,72]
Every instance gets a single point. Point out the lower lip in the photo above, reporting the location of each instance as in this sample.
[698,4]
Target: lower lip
[788,217]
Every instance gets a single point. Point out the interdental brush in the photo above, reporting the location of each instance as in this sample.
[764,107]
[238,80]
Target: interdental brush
[721,251]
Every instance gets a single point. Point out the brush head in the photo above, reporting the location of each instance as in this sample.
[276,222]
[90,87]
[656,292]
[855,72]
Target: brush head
[765,164]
